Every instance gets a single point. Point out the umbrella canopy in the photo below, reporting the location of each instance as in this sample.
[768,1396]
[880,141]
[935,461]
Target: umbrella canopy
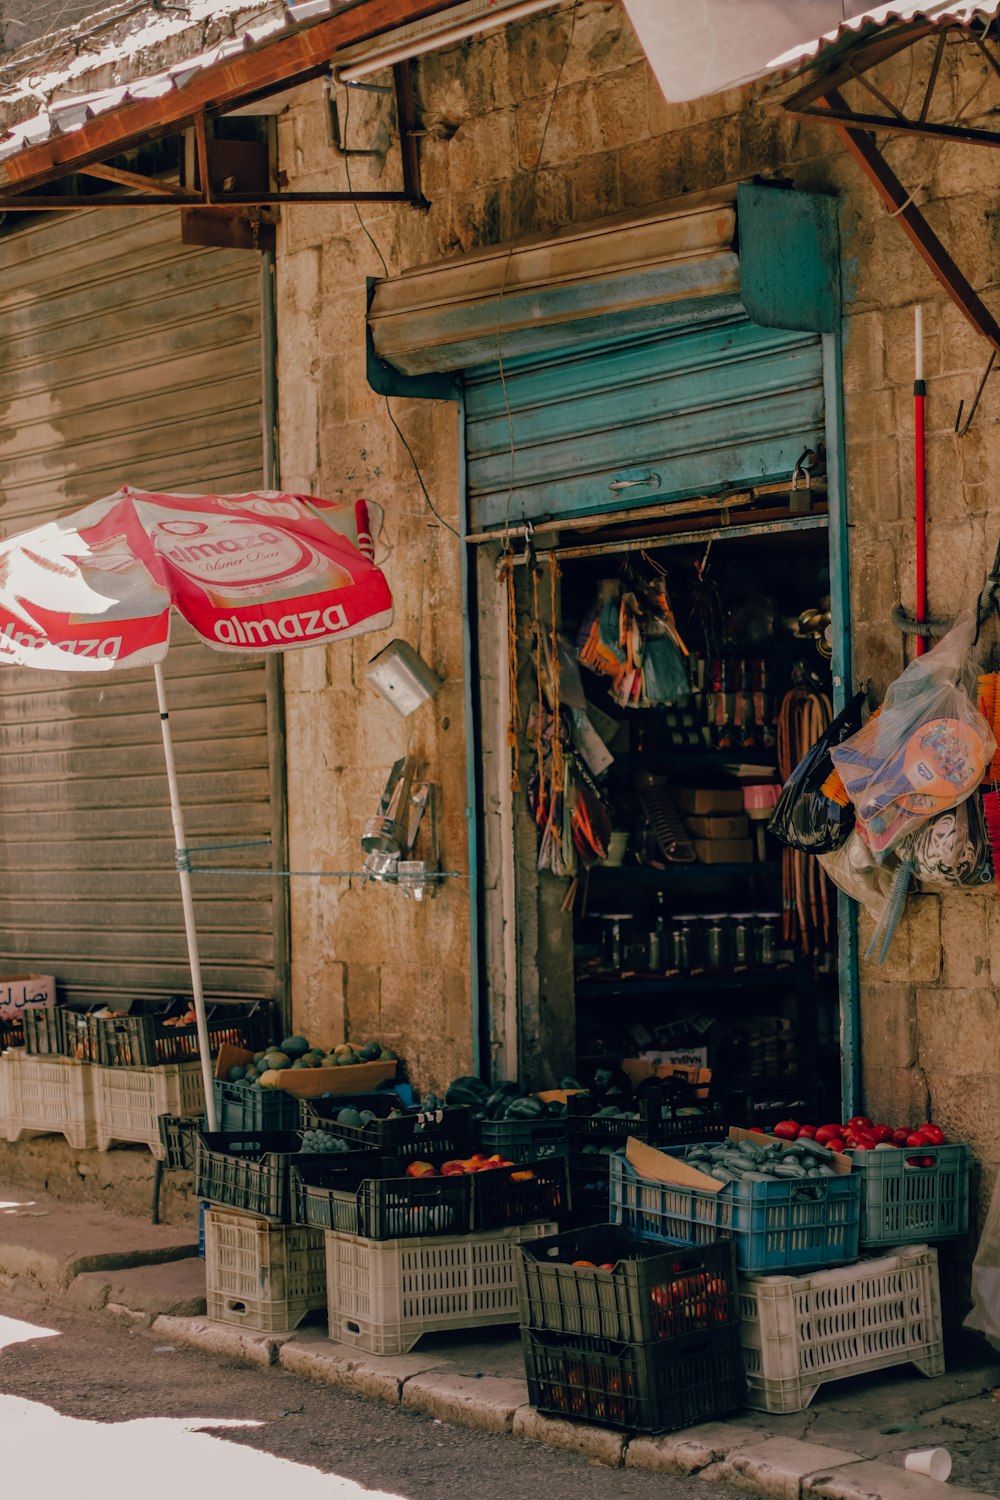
[258,572]
[266,571]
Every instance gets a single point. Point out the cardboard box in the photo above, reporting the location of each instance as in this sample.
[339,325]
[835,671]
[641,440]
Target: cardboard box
[638,1069]
[709,827]
[724,851]
[17,991]
[708,801]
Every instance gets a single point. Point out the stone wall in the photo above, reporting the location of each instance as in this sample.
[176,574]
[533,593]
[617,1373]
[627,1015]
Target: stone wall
[363,959]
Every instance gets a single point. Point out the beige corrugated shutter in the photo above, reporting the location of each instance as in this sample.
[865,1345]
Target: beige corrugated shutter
[126,356]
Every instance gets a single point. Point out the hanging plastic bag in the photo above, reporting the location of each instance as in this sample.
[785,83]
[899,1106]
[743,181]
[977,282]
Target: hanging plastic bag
[924,753]
[952,849]
[664,673]
[813,813]
[855,871]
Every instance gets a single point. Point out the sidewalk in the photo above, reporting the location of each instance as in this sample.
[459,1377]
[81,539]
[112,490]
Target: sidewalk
[847,1445]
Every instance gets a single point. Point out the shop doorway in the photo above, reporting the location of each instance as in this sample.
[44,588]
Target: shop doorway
[684,937]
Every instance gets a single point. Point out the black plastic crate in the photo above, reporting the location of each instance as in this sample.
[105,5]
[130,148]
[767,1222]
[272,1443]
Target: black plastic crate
[373,1198]
[240,1106]
[657,1122]
[524,1140]
[147,1036]
[177,1136]
[521,1194]
[655,1387]
[675,1290]
[11,1034]
[590,1188]
[409,1135]
[248,1170]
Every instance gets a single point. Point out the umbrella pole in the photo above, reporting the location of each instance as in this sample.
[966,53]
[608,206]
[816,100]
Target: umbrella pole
[187,899]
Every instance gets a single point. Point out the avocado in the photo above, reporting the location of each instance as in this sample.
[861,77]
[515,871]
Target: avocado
[294,1046]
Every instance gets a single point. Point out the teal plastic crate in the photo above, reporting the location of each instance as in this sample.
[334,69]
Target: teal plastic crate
[911,1196]
[776,1226]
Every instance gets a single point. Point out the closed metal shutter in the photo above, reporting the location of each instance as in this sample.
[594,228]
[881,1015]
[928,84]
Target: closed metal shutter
[126,356]
[677,413]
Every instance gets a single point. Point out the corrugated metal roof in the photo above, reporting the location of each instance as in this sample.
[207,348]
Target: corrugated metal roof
[945,12]
[56,100]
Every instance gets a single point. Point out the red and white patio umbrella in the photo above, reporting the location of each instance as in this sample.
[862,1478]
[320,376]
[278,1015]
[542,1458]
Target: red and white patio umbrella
[261,572]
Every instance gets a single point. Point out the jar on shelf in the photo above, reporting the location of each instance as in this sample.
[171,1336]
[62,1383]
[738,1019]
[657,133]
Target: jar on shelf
[684,942]
[767,938]
[716,940]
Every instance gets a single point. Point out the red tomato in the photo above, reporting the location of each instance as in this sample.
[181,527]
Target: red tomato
[860,1122]
[827,1133]
[786,1130]
[863,1146]
[916,1138]
[836,1144]
[809,1131]
[900,1137]
[882,1133]
[928,1161]
[933,1134]
[757,1130]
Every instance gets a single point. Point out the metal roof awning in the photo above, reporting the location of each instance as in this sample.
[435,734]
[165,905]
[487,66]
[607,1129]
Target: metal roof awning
[699,47]
[80,132]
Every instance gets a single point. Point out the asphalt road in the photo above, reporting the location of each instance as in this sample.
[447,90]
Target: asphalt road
[91,1410]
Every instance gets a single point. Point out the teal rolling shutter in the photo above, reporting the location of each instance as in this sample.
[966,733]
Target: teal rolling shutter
[725,405]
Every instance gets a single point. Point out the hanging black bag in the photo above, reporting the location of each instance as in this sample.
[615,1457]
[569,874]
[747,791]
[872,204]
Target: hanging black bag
[805,818]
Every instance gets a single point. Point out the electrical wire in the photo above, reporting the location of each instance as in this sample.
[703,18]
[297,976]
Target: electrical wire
[389,411]
[530,186]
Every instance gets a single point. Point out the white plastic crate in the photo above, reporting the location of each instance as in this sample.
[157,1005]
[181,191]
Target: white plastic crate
[47,1095]
[127,1101]
[261,1275]
[383,1295]
[801,1331]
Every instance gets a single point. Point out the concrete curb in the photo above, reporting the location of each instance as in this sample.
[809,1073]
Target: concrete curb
[784,1468]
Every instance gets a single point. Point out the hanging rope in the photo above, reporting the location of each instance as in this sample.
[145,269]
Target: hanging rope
[540,679]
[514,718]
[558,764]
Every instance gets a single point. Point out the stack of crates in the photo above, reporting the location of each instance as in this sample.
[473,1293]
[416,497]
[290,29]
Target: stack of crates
[408,1255]
[621,1332]
[262,1271]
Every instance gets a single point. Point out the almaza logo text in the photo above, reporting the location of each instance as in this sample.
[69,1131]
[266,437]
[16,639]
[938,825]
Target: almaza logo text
[106,649]
[296,627]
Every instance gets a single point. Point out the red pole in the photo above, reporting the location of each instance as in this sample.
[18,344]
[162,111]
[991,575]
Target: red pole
[919,398]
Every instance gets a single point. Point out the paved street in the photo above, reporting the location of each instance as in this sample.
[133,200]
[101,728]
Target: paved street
[90,1408]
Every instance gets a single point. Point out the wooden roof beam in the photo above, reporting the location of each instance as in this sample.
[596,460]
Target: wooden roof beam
[271,65]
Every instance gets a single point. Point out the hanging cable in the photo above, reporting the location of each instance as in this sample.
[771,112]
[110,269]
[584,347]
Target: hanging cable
[530,185]
[385,271]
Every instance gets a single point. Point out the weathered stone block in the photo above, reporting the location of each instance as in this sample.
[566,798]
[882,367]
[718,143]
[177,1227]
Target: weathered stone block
[865,352]
[958,1031]
[621,102]
[965,942]
[888,1026]
[651,170]
[891,1094]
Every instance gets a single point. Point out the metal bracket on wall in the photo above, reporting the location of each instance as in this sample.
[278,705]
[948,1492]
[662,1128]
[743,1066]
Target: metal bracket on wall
[822,101]
[227,176]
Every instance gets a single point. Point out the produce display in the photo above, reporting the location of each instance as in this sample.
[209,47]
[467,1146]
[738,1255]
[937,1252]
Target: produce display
[468,1168]
[505,1101]
[297,1052]
[323,1141]
[750,1161]
[859,1134]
